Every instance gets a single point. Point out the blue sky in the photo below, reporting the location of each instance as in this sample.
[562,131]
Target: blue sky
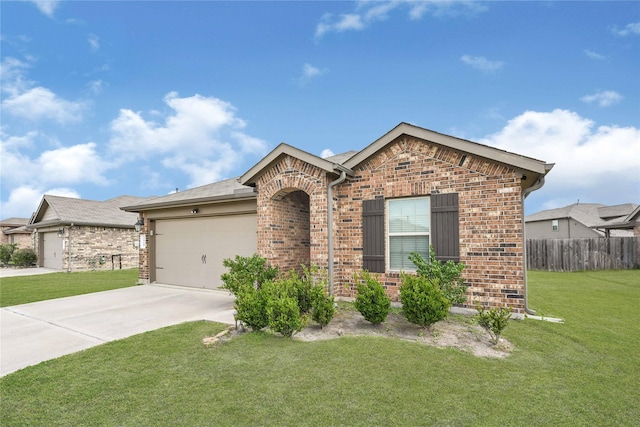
[102,99]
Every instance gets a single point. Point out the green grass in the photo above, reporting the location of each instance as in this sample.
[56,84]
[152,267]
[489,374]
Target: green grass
[25,289]
[583,372]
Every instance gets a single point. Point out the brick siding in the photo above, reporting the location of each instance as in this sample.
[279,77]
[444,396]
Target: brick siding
[92,248]
[490,215]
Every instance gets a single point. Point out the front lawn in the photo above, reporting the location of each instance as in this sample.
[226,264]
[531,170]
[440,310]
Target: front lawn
[25,289]
[582,372]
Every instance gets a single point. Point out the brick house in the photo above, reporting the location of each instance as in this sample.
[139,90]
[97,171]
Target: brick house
[72,234]
[14,231]
[369,209]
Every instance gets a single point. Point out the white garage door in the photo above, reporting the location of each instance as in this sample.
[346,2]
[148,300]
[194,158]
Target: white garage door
[189,252]
[52,251]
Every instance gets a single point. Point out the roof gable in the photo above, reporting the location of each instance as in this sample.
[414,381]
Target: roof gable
[251,176]
[56,210]
[494,154]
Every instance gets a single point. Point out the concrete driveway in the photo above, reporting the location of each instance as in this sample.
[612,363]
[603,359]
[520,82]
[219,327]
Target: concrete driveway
[39,331]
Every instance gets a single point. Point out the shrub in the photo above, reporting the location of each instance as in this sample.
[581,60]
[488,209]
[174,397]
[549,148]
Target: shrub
[299,288]
[283,312]
[251,307]
[322,306]
[24,257]
[448,276]
[423,302]
[6,252]
[371,301]
[493,320]
[246,272]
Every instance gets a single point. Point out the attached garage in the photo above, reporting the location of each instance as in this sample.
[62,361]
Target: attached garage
[185,236]
[52,250]
[190,251]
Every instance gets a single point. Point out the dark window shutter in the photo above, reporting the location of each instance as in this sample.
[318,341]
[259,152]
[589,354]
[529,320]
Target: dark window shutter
[373,235]
[445,228]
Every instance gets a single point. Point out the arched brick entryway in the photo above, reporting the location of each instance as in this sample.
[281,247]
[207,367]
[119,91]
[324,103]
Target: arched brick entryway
[290,230]
[292,215]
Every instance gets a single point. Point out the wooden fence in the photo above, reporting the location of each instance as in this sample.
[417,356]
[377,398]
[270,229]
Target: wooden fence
[612,253]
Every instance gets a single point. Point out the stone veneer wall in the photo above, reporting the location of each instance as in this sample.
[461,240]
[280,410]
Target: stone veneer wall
[92,248]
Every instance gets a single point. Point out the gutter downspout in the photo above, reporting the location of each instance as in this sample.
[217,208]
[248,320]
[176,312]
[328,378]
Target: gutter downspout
[525,193]
[343,176]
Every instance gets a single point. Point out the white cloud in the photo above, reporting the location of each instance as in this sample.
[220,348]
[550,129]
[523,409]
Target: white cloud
[94,43]
[594,55]
[605,98]
[95,86]
[593,164]
[77,164]
[47,7]
[34,103]
[24,200]
[12,74]
[309,72]
[481,63]
[326,153]
[337,25]
[40,103]
[629,29]
[368,12]
[72,165]
[202,137]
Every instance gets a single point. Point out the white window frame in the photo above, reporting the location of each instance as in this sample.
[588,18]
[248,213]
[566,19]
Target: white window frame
[389,234]
[554,225]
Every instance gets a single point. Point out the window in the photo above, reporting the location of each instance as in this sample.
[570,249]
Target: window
[408,231]
[409,225]
[554,225]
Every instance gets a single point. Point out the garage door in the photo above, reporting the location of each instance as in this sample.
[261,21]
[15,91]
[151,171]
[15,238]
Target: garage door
[52,251]
[189,252]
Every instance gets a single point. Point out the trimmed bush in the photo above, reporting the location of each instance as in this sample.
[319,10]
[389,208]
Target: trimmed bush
[371,301]
[24,257]
[6,252]
[423,303]
[245,272]
[448,276]
[283,312]
[299,288]
[322,306]
[251,307]
[493,320]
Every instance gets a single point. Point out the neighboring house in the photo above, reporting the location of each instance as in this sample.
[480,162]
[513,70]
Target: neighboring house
[14,230]
[581,220]
[369,209]
[76,234]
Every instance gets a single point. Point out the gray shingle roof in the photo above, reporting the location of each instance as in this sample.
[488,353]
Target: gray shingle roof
[67,210]
[341,158]
[607,212]
[589,214]
[227,189]
[586,213]
[14,222]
